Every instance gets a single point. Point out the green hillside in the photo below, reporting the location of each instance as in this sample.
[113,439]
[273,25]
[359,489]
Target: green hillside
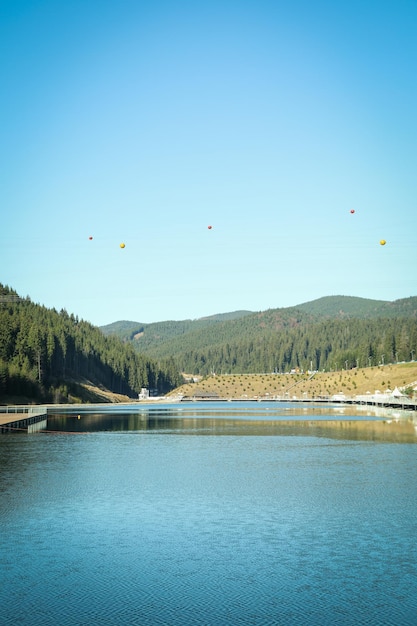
[149,336]
[330,333]
[48,356]
[350,306]
[125,330]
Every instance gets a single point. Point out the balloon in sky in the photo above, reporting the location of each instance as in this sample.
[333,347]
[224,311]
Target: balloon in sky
[382,242]
[352,210]
[209,227]
[90,238]
[122,245]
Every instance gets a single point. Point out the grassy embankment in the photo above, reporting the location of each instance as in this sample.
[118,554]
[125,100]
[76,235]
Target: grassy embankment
[350,382]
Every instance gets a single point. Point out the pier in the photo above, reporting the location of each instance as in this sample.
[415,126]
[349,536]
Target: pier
[28,418]
[375,400]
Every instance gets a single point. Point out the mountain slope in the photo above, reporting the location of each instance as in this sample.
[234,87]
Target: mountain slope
[149,336]
[46,355]
[330,332]
[350,306]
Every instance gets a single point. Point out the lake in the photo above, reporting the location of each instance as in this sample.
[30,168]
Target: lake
[210,514]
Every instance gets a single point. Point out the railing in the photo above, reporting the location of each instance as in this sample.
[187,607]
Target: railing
[24,409]
[370,400]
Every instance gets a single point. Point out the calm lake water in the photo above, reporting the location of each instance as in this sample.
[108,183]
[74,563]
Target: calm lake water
[210,515]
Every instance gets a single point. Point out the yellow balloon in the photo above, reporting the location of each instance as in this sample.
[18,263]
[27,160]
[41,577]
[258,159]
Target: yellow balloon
[382,242]
[122,245]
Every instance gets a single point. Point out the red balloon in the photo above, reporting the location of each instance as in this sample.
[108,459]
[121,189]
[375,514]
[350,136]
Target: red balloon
[352,210]
[90,238]
[209,227]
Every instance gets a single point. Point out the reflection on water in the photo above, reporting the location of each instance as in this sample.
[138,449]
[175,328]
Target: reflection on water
[37,426]
[123,518]
[355,423]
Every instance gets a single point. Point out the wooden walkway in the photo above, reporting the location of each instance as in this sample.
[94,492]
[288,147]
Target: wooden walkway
[21,418]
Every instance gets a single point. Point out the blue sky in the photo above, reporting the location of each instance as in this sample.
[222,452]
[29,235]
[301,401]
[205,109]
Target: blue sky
[146,122]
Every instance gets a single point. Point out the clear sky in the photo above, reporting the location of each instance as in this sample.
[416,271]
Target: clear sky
[144,122]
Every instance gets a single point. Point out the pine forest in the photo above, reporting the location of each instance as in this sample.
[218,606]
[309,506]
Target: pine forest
[45,354]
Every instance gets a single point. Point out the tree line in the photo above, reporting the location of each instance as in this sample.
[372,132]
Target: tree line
[279,341]
[328,345]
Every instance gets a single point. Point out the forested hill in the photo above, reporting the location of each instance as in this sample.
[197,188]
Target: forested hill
[348,306]
[329,333]
[46,356]
[159,332]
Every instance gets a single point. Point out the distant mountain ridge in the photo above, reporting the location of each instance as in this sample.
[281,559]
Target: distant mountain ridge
[351,306]
[316,332]
[161,331]
[327,306]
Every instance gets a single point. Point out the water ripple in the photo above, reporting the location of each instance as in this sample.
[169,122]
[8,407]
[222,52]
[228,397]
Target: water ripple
[198,531]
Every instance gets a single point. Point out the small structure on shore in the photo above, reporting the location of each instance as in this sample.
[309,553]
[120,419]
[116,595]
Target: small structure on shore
[144,394]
